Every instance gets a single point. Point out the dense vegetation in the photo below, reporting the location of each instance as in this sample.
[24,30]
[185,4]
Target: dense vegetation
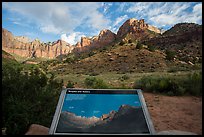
[92,82]
[186,85]
[28,96]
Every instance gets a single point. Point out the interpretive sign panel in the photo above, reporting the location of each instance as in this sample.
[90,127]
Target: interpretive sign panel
[101,111]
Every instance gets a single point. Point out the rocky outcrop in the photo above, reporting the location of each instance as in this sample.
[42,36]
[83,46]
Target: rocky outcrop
[23,39]
[36,129]
[104,38]
[22,47]
[85,41]
[136,28]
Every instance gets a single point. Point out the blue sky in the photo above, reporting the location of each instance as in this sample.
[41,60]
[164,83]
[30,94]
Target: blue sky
[50,21]
[89,105]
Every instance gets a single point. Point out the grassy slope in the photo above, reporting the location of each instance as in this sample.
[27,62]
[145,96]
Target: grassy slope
[115,80]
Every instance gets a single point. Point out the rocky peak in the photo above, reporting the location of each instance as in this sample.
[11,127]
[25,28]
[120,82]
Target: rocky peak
[36,48]
[78,44]
[110,115]
[85,41]
[23,39]
[124,109]
[134,26]
[106,36]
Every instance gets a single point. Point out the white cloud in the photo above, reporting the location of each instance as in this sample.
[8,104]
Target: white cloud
[106,6]
[120,19]
[198,8]
[72,38]
[96,111]
[165,14]
[139,7]
[50,29]
[71,107]
[59,17]
[122,6]
[75,97]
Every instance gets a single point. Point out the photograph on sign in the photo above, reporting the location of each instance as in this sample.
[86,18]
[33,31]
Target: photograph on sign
[101,112]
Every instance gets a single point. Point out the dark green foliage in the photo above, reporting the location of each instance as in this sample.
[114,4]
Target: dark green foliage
[194,84]
[122,43]
[92,82]
[191,85]
[91,53]
[124,77]
[70,84]
[70,59]
[170,54]
[139,46]
[93,73]
[151,48]
[28,97]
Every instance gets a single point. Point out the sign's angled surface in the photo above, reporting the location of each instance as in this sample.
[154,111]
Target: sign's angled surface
[101,111]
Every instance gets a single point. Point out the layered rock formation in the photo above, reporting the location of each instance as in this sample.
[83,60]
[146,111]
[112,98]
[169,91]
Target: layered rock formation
[104,38]
[23,47]
[23,39]
[135,28]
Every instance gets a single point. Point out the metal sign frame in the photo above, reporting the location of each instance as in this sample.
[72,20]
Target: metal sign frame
[52,130]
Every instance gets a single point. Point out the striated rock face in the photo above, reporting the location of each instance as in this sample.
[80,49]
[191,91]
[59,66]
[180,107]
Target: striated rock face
[104,38]
[85,41]
[134,27]
[22,39]
[22,47]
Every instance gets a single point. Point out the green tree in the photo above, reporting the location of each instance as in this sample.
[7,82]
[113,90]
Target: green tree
[170,55]
[139,46]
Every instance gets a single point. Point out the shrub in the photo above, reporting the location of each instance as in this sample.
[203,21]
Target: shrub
[139,46]
[122,43]
[124,77]
[176,86]
[28,97]
[151,48]
[70,84]
[170,54]
[92,82]
[93,73]
[194,84]
[91,53]
[70,59]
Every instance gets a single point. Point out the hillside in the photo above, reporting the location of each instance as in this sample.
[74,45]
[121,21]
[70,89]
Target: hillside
[185,39]
[6,57]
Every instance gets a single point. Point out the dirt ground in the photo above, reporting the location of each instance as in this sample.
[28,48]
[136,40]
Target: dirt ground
[175,113]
